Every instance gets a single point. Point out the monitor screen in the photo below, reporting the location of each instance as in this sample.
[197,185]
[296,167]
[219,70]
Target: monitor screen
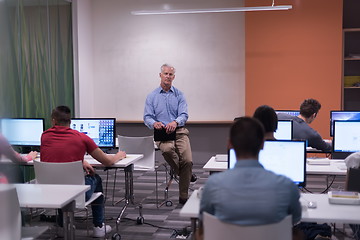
[22,131]
[284,130]
[283,157]
[101,130]
[346,136]
[290,112]
[342,115]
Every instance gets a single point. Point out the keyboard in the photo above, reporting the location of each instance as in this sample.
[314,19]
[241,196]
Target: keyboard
[221,157]
[318,161]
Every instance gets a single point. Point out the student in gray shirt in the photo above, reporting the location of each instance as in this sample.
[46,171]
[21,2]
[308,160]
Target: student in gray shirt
[301,130]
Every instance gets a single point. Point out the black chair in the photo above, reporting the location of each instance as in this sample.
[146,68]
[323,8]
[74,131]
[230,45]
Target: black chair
[353,180]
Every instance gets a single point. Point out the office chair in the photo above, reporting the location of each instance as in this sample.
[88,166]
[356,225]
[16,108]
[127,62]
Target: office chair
[353,180]
[214,229]
[53,173]
[10,217]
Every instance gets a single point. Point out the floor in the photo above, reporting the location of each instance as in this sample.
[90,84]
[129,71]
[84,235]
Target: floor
[163,222]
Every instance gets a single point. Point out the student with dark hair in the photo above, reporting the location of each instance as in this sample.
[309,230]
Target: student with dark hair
[248,194]
[63,144]
[267,116]
[309,109]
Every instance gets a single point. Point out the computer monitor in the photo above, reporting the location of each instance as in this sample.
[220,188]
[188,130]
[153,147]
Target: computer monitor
[284,130]
[101,130]
[346,138]
[22,131]
[283,157]
[342,115]
[290,112]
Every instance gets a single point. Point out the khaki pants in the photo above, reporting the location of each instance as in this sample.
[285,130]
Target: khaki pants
[178,155]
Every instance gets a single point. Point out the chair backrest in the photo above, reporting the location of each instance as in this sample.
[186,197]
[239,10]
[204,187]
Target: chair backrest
[139,145]
[61,173]
[353,180]
[216,229]
[10,217]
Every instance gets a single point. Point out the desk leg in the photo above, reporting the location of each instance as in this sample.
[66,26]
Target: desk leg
[193,227]
[129,192]
[129,183]
[68,221]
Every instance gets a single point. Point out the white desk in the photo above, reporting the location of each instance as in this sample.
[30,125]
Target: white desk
[52,196]
[325,212]
[336,167]
[128,165]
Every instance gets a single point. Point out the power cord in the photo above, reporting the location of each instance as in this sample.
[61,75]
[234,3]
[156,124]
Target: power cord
[177,233]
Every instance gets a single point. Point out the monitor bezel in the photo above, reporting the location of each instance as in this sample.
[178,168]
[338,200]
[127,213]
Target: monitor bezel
[300,184]
[24,145]
[114,135]
[285,111]
[292,128]
[331,119]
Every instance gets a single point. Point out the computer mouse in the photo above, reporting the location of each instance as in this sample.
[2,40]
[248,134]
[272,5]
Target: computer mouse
[312,204]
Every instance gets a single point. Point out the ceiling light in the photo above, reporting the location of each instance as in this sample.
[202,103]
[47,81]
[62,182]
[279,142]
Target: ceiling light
[213,10]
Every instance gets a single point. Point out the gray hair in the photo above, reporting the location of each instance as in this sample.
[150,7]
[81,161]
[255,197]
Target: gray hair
[166,65]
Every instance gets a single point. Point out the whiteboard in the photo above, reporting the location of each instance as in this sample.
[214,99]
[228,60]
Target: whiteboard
[127,51]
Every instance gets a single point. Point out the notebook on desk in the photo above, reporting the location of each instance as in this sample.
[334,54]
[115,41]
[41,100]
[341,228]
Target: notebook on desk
[161,135]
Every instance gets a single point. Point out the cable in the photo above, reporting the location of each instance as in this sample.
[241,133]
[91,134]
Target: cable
[307,190]
[327,189]
[153,225]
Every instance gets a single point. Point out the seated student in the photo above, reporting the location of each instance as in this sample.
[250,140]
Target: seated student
[10,173]
[308,112]
[267,116]
[248,194]
[63,144]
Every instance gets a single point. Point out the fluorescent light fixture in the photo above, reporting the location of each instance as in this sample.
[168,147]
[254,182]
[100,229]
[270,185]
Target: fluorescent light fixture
[213,10]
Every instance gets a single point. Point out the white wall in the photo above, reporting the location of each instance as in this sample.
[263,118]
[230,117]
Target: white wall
[127,51]
[83,58]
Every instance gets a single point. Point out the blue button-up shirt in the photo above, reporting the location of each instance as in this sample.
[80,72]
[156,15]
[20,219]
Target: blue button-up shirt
[248,194]
[165,107]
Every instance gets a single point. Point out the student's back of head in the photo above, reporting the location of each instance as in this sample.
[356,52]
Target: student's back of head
[61,115]
[247,137]
[267,116]
[309,106]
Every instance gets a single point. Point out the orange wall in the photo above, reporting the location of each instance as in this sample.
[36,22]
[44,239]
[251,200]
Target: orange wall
[293,55]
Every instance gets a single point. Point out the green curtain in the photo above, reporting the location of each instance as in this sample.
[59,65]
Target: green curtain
[36,57]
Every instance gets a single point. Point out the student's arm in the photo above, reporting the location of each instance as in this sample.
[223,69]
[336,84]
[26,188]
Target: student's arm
[105,159]
[88,168]
[10,153]
[316,141]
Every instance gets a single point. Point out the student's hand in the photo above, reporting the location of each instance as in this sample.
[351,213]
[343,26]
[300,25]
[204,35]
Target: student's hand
[158,125]
[170,127]
[31,155]
[88,168]
[120,155]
